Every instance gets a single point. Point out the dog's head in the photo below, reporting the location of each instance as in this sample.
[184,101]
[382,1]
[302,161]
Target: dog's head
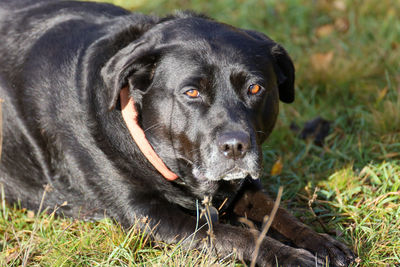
[207,94]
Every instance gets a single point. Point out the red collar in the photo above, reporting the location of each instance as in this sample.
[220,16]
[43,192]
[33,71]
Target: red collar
[130,115]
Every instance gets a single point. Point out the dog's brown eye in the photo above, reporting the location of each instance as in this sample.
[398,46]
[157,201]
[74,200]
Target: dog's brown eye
[192,93]
[254,89]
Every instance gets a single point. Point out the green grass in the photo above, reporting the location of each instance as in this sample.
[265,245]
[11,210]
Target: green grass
[347,56]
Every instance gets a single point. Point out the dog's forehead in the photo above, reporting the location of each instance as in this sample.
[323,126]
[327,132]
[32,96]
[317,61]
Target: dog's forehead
[188,64]
[183,65]
[211,36]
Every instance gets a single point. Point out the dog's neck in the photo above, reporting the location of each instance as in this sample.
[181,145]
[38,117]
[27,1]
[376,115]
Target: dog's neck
[130,117]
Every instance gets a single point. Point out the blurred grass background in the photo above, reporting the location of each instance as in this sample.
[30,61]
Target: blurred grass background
[347,56]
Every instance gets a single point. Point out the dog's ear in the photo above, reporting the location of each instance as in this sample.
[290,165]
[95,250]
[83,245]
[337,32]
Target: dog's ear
[285,73]
[131,66]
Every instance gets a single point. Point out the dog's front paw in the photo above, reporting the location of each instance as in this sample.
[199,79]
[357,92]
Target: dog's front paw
[289,256]
[299,257]
[327,248]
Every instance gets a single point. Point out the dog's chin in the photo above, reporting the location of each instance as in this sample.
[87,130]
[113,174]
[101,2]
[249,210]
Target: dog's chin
[235,173]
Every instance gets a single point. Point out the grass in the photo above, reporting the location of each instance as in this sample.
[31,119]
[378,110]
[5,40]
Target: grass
[347,56]
[46,240]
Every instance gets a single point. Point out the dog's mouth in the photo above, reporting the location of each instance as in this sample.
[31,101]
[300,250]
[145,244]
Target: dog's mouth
[234,173]
[237,173]
[214,167]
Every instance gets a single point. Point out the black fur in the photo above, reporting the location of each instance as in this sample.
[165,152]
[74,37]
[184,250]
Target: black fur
[63,65]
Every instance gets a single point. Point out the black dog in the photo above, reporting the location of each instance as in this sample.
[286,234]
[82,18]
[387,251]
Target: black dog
[206,96]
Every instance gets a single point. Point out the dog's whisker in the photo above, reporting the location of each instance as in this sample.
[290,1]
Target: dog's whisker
[156,125]
[261,132]
[188,161]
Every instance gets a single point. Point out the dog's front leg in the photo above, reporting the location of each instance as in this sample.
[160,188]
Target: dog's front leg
[254,204]
[166,222]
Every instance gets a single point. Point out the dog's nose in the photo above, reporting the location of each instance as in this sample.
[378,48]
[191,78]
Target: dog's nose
[234,145]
